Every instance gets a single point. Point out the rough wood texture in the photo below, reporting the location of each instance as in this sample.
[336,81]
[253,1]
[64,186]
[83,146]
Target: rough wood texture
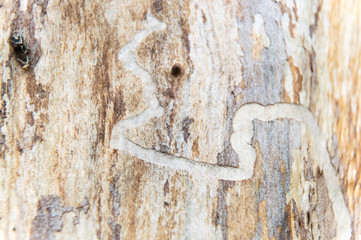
[181,120]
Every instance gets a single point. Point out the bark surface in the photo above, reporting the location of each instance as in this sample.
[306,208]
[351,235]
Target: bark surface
[181,120]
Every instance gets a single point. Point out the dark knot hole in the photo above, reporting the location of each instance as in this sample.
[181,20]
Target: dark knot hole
[176,70]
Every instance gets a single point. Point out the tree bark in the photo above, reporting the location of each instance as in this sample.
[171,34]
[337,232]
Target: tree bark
[181,119]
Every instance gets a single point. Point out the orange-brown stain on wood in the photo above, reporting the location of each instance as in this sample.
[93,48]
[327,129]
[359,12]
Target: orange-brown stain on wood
[195,148]
[257,47]
[286,97]
[288,210]
[295,10]
[291,27]
[296,80]
[282,7]
[283,171]
[285,9]
[204,18]
[243,213]
[262,214]
[345,74]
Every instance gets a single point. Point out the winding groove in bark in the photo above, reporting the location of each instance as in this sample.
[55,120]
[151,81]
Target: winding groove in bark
[240,139]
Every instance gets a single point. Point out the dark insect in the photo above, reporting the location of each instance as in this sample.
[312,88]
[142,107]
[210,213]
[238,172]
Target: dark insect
[21,50]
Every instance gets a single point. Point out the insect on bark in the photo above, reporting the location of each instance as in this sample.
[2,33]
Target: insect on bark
[21,50]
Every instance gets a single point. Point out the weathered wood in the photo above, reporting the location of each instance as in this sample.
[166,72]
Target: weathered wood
[181,120]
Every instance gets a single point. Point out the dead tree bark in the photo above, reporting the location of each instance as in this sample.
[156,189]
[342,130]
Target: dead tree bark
[180,119]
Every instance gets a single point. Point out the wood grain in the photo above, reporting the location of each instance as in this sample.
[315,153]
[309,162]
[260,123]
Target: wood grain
[95,66]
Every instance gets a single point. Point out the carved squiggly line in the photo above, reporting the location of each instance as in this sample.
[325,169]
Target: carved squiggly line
[240,139]
[243,127]
[127,56]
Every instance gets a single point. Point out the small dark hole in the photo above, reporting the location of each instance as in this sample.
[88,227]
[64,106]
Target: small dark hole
[300,222]
[14,229]
[308,218]
[176,70]
[318,171]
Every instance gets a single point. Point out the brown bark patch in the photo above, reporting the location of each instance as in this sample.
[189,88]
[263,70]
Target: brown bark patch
[327,224]
[297,80]
[195,148]
[313,27]
[285,9]
[158,5]
[204,18]
[119,106]
[295,10]
[301,228]
[186,30]
[166,188]
[286,97]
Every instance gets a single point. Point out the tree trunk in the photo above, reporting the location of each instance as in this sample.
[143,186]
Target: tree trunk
[180,119]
